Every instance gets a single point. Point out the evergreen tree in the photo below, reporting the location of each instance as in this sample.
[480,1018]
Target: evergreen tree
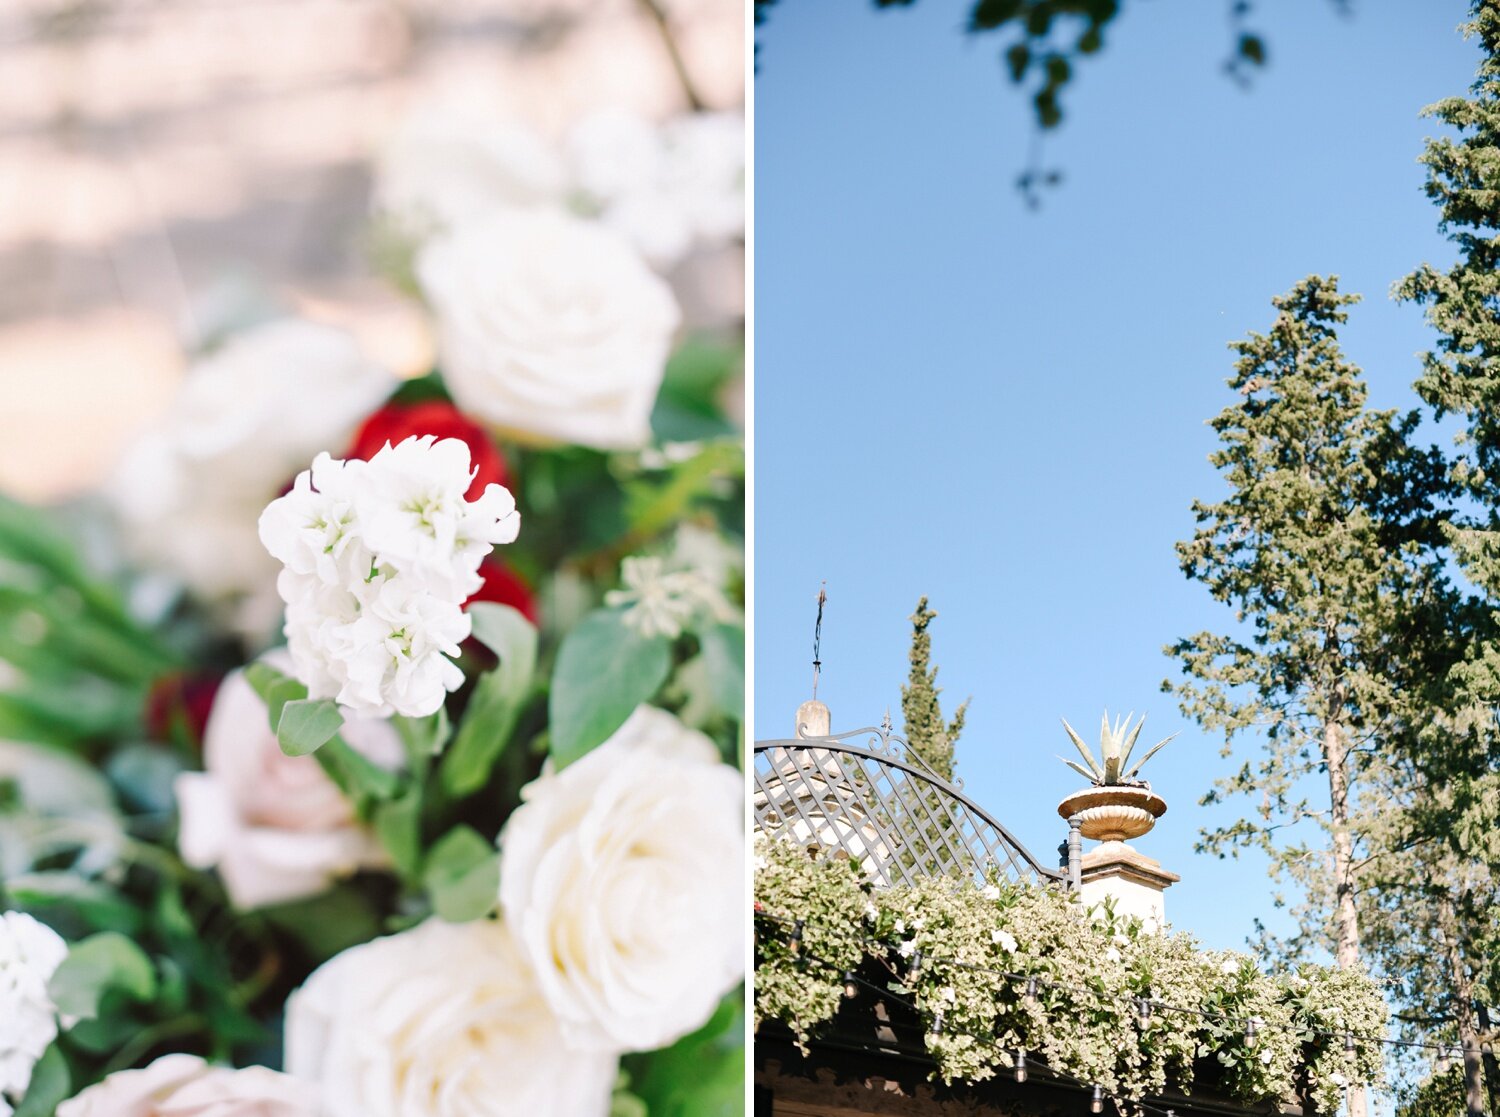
[1325,549]
[1462,377]
[931,737]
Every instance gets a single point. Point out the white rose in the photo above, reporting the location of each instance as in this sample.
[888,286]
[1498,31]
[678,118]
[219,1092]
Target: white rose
[186,1086]
[550,326]
[622,877]
[451,163]
[275,826]
[190,490]
[444,1020]
[30,953]
[668,188]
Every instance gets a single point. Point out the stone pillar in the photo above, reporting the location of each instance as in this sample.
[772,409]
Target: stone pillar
[1134,880]
[1109,814]
[813,720]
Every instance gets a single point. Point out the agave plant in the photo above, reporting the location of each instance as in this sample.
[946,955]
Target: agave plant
[1115,747]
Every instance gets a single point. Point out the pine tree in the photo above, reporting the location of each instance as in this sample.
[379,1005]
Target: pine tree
[1461,376]
[929,735]
[1324,547]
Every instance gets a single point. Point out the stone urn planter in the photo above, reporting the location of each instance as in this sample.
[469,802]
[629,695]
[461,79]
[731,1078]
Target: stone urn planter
[1115,812]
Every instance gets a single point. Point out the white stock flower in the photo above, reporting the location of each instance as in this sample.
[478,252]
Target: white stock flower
[378,558]
[246,418]
[619,877]
[30,953]
[275,826]
[662,595]
[669,188]
[550,326]
[447,164]
[444,1020]
[657,601]
[1005,940]
[186,1086]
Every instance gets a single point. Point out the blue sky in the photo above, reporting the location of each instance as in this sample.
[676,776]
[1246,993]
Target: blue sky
[1004,408]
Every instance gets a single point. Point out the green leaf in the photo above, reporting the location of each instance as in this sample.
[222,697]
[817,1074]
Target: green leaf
[97,965]
[605,669]
[51,1083]
[65,898]
[424,737]
[463,875]
[398,825]
[723,650]
[701,1075]
[307,724]
[498,699]
[357,776]
[327,924]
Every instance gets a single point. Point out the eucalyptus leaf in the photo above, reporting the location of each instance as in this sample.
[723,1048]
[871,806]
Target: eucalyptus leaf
[398,825]
[605,669]
[98,964]
[462,875]
[724,658]
[498,700]
[51,1083]
[307,724]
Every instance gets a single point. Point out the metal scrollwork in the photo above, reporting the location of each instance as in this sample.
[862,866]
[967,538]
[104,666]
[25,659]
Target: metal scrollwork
[866,794]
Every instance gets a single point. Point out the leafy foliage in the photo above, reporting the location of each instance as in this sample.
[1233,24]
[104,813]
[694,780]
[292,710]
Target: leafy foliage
[819,918]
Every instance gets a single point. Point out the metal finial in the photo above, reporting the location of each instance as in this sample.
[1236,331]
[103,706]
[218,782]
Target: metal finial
[886,723]
[818,638]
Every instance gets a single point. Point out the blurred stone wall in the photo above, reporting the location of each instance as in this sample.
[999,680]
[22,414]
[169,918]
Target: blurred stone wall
[158,155]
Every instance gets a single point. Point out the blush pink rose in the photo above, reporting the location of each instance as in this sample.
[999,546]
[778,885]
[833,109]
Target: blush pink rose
[275,826]
[186,1086]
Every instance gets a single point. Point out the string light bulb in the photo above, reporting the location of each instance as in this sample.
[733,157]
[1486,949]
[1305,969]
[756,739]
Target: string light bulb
[1250,1031]
[1442,1060]
[1031,990]
[915,968]
[1143,1006]
[850,990]
[1020,1064]
[1097,1104]
[797,936]
[1348,1043]
[937,1023]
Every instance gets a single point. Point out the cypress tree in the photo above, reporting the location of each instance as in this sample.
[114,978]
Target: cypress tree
[930,736]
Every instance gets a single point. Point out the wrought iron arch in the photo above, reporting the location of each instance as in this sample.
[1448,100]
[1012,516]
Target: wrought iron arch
[866,794]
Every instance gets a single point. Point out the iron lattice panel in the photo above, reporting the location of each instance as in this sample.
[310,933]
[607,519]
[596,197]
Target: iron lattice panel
[868,796]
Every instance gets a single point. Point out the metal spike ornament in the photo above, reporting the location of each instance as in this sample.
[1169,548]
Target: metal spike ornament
[818,638]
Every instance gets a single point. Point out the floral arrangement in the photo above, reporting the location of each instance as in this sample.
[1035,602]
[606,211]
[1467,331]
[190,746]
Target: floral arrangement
[1004,973]
[370,745]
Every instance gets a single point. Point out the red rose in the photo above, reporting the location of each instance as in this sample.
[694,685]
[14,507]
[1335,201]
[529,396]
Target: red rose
[181,699]
[504,586]
[397,422]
